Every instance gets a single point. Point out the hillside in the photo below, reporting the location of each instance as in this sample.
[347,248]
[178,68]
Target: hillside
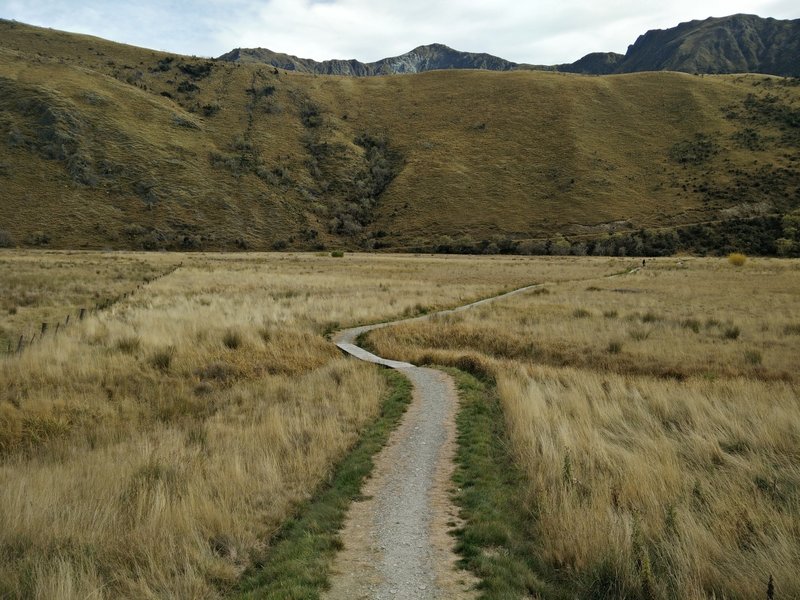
[104,145]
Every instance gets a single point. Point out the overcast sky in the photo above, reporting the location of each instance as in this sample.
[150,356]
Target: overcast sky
[539,32]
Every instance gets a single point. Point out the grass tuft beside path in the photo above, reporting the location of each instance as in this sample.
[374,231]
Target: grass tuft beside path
[494,542]
[298,564]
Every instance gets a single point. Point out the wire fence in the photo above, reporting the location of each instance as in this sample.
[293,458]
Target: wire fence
[49,329]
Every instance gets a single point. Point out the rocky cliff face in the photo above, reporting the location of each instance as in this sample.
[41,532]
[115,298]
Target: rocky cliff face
[596,63]
[734,44]
[418,60]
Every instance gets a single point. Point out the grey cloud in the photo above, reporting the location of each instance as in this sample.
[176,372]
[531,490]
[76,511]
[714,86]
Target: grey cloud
[545,32]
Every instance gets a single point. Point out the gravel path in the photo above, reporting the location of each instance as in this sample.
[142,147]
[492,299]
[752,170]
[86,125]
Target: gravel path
[396,540]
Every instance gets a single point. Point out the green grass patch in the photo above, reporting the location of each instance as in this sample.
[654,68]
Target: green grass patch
[297,566]
[496,542]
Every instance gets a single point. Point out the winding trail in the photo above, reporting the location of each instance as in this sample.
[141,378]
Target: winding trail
[396,539]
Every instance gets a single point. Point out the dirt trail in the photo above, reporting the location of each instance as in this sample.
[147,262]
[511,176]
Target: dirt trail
[396,540]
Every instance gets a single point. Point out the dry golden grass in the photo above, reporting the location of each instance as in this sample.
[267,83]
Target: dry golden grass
[675,318]
[655,417]
[152,450]
[46,287]
[483,154]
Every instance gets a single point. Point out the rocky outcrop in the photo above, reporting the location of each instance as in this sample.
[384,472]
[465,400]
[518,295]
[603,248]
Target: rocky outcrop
[418,60]
[734,44]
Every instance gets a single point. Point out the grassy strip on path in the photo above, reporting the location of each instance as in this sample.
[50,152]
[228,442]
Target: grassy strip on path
[298,564]
[495,542]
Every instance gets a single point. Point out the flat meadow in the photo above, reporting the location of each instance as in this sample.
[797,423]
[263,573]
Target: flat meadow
[155,448]
[654,418]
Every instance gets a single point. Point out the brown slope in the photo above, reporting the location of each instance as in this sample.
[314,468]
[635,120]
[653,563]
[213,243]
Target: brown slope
[166,151]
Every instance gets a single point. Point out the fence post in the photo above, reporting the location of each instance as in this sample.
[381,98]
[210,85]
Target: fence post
[66,321]
[81,314]
[44,329]
[21,344]
[57,327]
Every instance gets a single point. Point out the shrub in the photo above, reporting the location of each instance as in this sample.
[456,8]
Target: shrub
[220,371]
[639,335]
[650,317]
[330,328]
[610,314]
[209,110]
[164,64]
[182,121]
[162,359]
[614,347]
[310,115]
[692,324]
[731,332]
[737,259]
[232,339]
[793,329]
[581,313]
[197,70]
[6,241]
[695,151]
[129,344]
[337,254]
[752,357]
[187,87]
[38,238]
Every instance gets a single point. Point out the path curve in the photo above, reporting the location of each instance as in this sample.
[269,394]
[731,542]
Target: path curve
[396,540]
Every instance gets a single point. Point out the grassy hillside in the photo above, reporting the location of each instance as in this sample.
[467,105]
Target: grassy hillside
[106,145]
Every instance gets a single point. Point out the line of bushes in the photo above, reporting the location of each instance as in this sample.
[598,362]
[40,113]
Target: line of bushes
[758,236]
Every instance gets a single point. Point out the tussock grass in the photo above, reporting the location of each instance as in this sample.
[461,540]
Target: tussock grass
[661,324]
[660,475]
[298,564]
[667,470]
[141,456]
[48,287]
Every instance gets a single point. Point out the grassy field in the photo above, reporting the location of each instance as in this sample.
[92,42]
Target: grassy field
[48,287]
[654,420]
[635,433]
[111,146]
[156,448]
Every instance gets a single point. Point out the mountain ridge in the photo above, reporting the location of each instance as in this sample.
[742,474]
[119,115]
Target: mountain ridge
[423,58]
[738,43]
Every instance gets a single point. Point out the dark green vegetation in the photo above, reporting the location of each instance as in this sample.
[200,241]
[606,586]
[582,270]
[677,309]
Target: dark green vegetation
[297,564]
[495,542]
[110,146]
